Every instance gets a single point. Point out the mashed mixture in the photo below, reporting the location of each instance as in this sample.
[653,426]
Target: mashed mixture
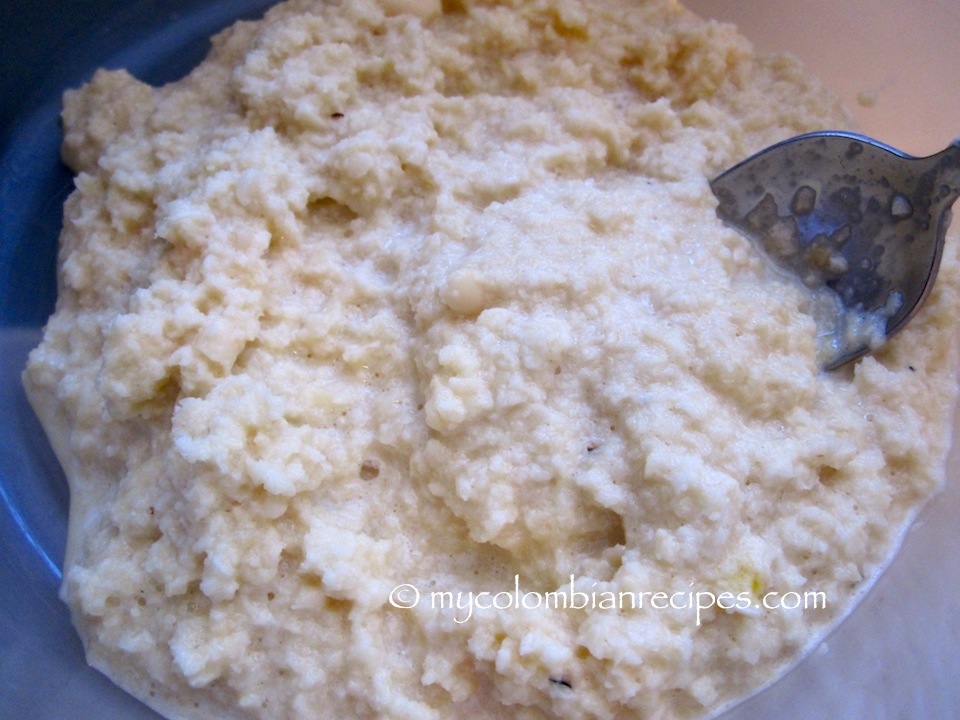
[433,295]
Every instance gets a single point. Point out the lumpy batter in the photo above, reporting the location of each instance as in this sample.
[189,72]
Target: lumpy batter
[434,295]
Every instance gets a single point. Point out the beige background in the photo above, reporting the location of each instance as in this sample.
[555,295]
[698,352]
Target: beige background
[904,54]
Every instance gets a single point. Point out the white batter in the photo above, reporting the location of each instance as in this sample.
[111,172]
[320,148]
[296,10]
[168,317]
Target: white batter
[433,294]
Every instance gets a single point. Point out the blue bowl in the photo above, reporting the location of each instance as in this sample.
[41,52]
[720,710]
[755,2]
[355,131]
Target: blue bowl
[46,48]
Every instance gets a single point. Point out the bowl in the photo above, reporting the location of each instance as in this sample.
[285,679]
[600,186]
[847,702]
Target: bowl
[896,654]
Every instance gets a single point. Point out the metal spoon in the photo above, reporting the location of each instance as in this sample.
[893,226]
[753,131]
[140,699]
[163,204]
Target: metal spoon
[861,224]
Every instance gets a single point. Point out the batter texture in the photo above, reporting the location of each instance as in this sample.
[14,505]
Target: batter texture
[434,294]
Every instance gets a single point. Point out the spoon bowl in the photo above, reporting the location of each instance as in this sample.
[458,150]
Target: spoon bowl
[861,224]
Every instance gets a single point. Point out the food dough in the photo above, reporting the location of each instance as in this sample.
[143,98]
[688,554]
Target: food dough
[395,325]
